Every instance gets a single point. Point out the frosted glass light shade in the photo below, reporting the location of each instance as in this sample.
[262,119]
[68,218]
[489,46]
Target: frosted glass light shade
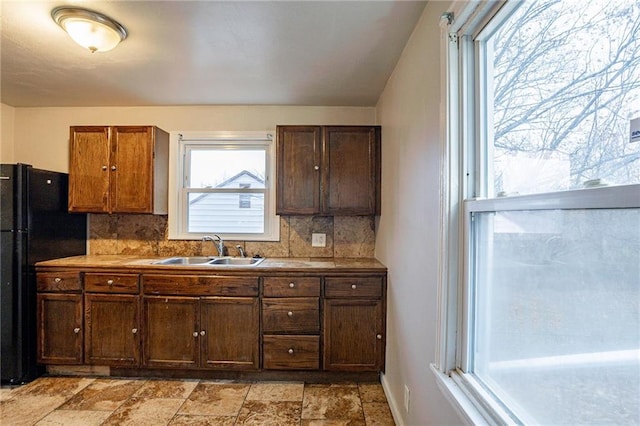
[89,29]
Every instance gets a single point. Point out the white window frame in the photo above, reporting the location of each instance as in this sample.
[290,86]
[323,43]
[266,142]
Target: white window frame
[464,190]
[179,142]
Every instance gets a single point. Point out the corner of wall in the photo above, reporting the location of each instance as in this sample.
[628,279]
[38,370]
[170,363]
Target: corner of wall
[7,133]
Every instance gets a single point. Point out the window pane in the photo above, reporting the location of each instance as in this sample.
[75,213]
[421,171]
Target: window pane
[225,213]
[566,83]
[227,168]
[557,319]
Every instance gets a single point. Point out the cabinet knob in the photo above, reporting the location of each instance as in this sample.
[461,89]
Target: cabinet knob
[134,330]
[202,333]
[290,314]
[104,167]
[290,351]
[113,168]
[195,334]
[292,285]
[57,279]
[76,330]
[353,286]
[110,282]
[379,336]
[316,167]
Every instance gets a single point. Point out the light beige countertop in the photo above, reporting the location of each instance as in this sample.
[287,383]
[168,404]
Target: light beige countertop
[293,264]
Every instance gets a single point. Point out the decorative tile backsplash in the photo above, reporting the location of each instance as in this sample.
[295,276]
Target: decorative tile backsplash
[146,235]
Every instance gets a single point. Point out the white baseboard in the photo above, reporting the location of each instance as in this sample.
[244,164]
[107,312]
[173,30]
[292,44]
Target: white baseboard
[393,404]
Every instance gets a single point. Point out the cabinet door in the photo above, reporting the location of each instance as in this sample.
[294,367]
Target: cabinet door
[59,328]
[132,169]
[351,170]
[298,170]
[111,330]
[230,334]
[171,332]
[89,169]
[353,335]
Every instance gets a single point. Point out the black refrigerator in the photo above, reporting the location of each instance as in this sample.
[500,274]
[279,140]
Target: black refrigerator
[35,225]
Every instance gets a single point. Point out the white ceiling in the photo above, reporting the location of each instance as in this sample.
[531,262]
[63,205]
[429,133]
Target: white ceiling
[208,52]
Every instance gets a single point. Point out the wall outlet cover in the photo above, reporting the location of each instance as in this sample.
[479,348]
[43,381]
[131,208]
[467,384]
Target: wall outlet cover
[318,240]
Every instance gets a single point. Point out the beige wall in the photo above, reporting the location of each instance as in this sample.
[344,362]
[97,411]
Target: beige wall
[7,117]
[41,139]
[42,134]
[407,236]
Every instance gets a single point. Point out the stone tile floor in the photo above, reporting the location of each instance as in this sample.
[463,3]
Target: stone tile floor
[71,401]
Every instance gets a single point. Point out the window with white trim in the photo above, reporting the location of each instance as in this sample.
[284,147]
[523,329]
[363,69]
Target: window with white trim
[223,186]
[543,283]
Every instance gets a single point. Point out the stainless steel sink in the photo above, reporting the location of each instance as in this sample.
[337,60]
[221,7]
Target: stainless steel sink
[213,261]
[191,260]
[237,261]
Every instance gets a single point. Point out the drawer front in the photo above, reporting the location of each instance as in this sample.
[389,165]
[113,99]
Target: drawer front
[291,286]
[111,283]
[200,285]
[291,352]
[291,315]
[353,287]
[59,281]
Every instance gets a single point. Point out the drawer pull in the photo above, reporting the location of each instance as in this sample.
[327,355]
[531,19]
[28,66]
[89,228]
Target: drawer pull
[57,279]
[110,282]
[76,330]
[353,286]
[289,314]
[379,336]
[195,334]
[290,351]
[202,333]
[292,285]
[134,330]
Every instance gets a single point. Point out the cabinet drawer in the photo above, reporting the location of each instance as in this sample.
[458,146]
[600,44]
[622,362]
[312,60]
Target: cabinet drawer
[291,286]
[291,315]
[58,281]
[200,285]
[111,283]
[353,287]
[291,352]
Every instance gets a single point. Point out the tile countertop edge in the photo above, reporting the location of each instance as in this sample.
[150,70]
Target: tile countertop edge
[270,264]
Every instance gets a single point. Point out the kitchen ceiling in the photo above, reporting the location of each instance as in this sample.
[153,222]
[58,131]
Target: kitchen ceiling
[322,53]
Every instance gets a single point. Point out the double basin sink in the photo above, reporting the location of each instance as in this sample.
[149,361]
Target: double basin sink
[212,261]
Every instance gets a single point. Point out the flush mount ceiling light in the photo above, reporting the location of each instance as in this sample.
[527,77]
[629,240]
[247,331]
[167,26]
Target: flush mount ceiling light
[91,30]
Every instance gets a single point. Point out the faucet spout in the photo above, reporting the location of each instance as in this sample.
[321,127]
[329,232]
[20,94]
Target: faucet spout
[219,244]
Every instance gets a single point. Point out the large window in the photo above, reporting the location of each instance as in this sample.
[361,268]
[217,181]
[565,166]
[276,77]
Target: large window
[544,282]
[223,186]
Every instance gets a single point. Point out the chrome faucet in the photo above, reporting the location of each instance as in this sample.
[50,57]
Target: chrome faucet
[241,250]
[219,245]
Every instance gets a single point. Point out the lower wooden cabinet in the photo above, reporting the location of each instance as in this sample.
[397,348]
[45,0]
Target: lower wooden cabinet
[112,330]
[197,321]
[354,323]
[353,339]
[60,328]
[209,332]
[171,332]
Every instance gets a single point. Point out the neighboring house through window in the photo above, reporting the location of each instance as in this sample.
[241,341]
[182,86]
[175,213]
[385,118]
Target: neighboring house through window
[223,186]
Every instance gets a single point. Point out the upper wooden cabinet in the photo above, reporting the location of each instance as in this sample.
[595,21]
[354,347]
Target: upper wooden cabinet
[330,170]
[118,169]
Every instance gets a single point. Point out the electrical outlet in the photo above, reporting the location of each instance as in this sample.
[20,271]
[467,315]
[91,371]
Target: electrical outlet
[318,240]
[407,398]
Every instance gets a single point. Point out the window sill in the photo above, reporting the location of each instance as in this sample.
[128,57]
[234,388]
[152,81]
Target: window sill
[468,401]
